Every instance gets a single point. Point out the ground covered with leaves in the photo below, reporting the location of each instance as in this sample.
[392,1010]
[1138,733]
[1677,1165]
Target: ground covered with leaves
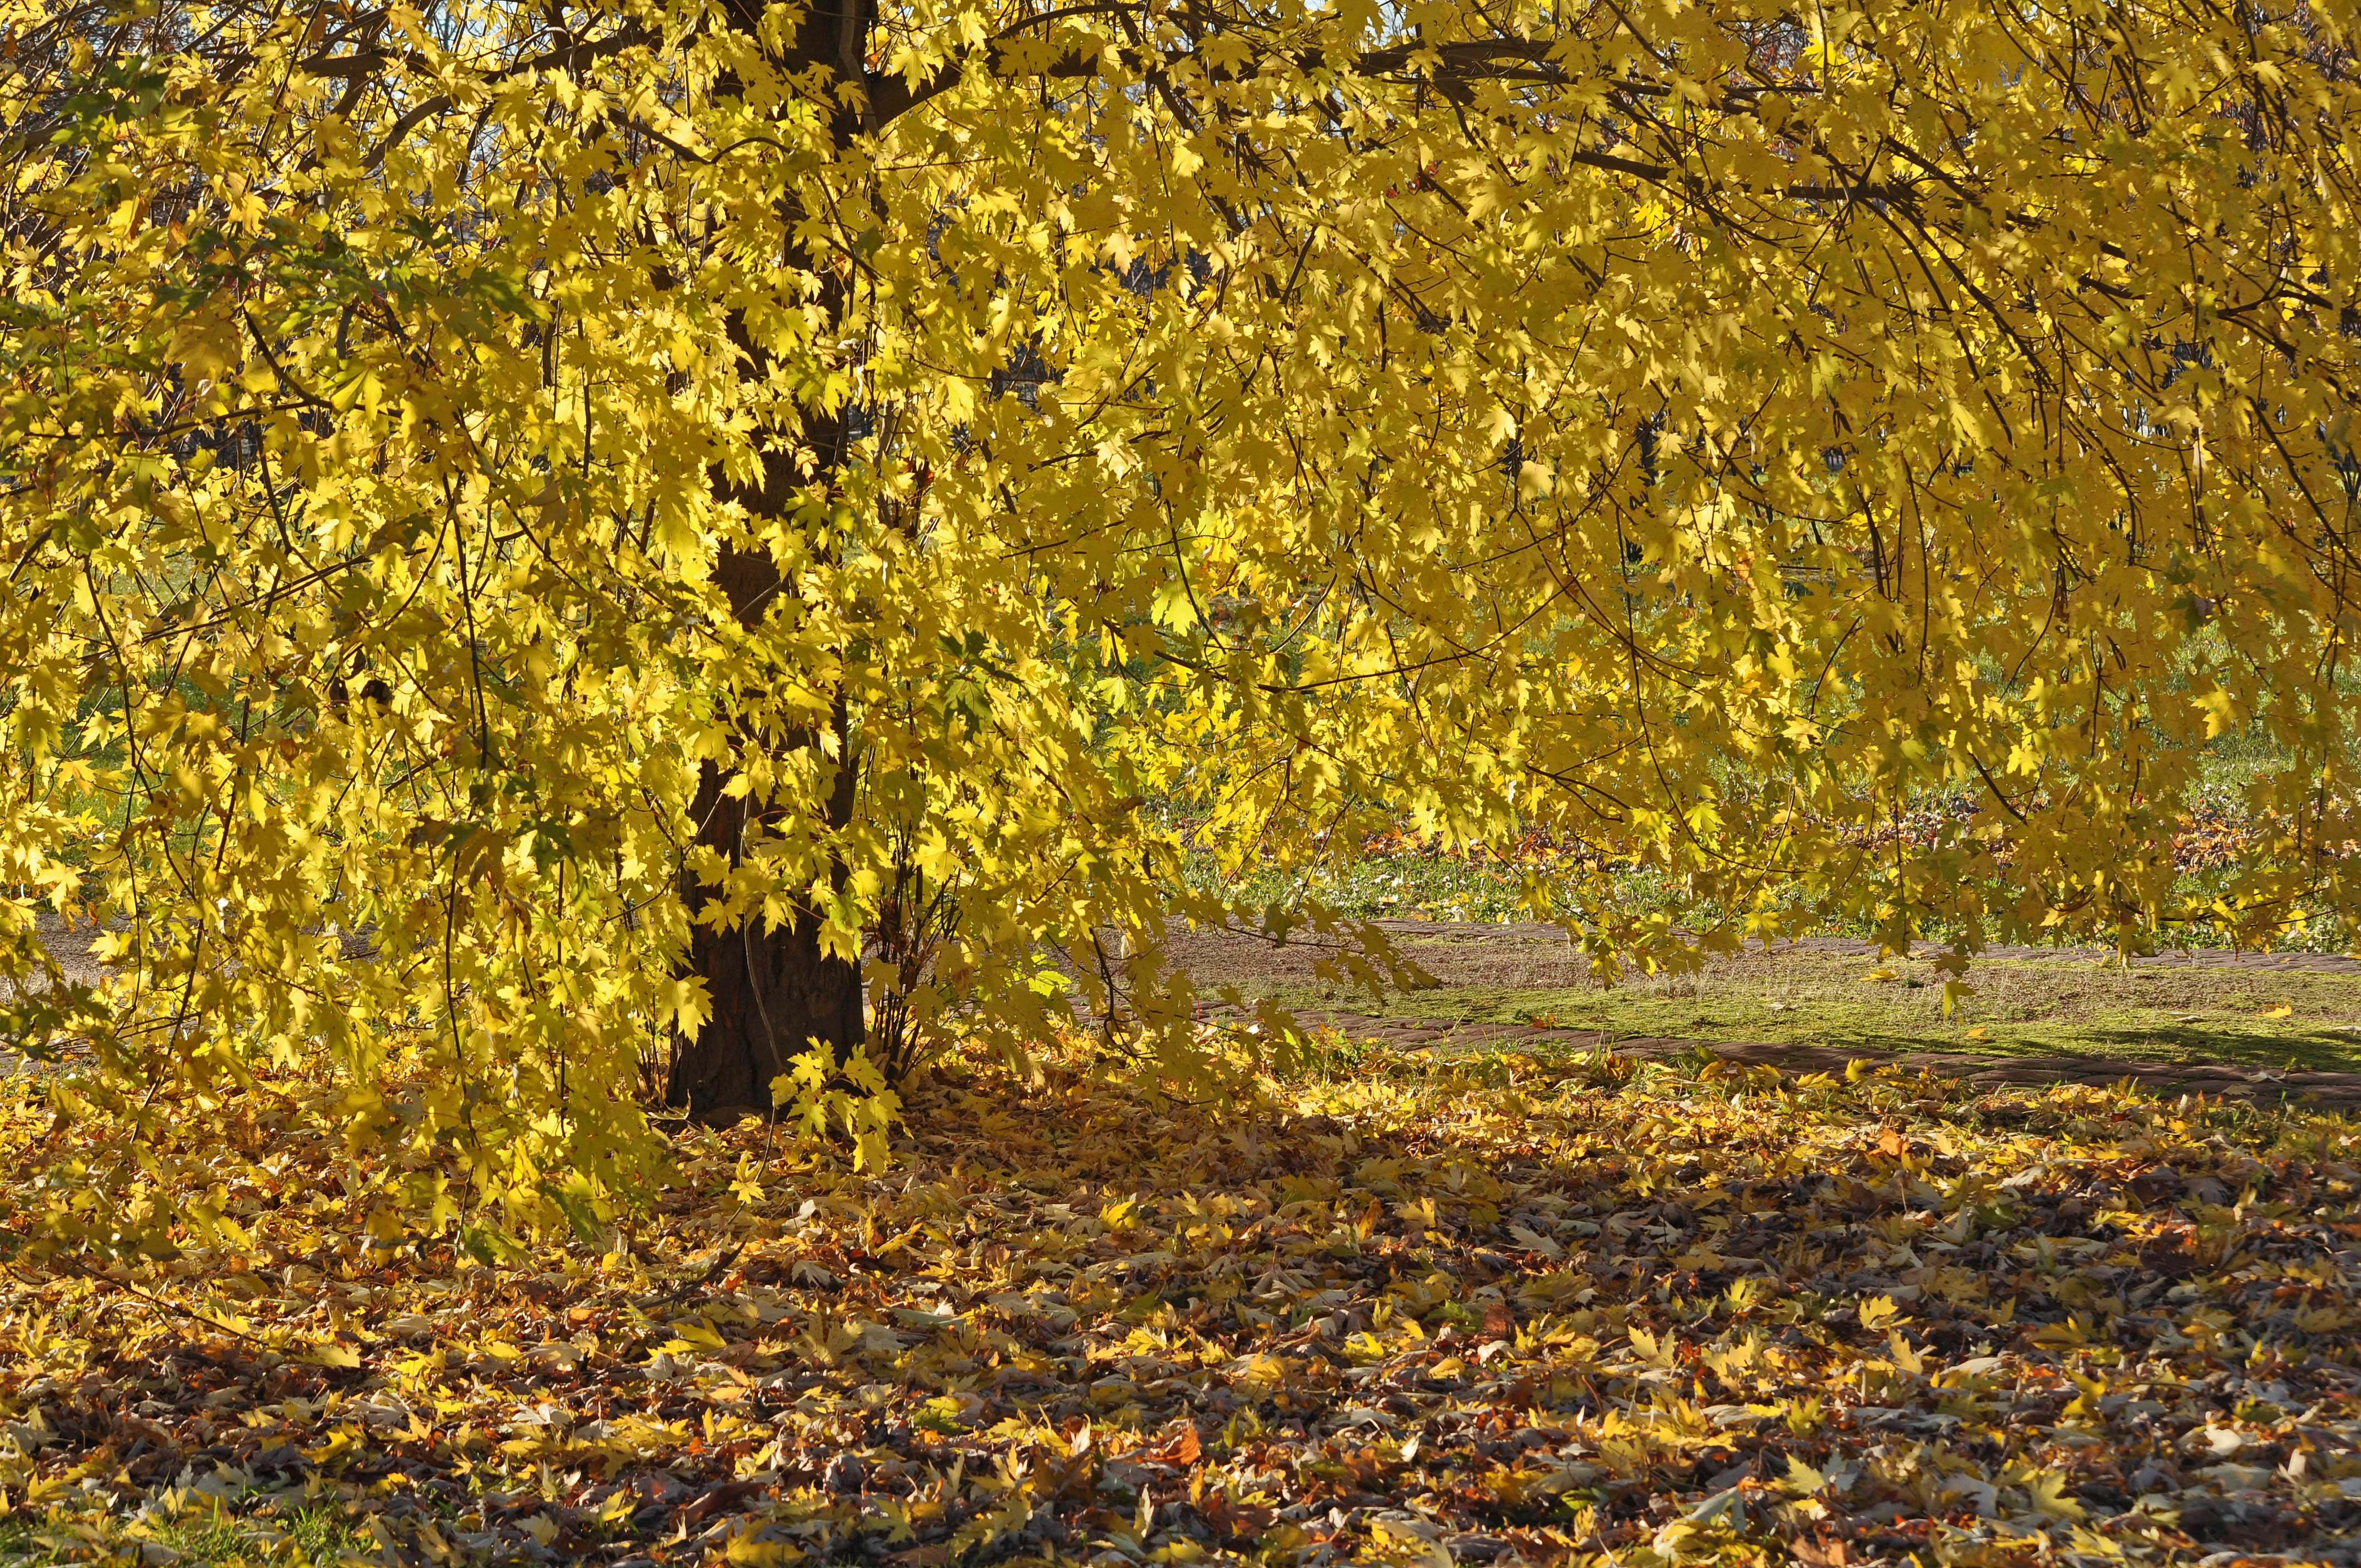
[1490,1311]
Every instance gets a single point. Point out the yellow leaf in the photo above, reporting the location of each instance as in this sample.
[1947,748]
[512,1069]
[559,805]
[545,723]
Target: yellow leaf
[697,1334]
[746,1550]
[2049,1492]
[1801,1479]
[1880,1311]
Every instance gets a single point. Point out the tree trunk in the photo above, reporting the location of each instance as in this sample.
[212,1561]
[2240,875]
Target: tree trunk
[774,992]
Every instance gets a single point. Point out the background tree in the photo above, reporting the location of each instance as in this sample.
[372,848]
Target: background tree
[535,534]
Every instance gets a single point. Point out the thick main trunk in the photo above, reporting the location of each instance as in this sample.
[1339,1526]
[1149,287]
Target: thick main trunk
[774,992]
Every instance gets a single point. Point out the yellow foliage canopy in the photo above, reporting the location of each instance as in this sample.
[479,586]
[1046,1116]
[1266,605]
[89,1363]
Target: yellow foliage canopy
[446,453]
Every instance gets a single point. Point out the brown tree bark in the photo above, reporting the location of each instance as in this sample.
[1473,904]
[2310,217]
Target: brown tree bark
[774,990]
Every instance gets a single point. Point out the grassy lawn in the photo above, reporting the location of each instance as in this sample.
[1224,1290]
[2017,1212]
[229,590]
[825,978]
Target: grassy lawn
[2255,1018]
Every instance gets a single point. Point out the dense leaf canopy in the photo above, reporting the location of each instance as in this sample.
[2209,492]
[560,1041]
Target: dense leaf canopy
[1010,448]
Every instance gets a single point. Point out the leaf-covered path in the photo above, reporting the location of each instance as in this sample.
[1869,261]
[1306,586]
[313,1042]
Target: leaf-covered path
[1630,1313]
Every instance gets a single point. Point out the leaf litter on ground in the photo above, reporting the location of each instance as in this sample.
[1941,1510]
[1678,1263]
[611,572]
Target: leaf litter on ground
[1501,1311]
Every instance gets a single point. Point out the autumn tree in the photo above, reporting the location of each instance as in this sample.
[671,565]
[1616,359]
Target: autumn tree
[550,544]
